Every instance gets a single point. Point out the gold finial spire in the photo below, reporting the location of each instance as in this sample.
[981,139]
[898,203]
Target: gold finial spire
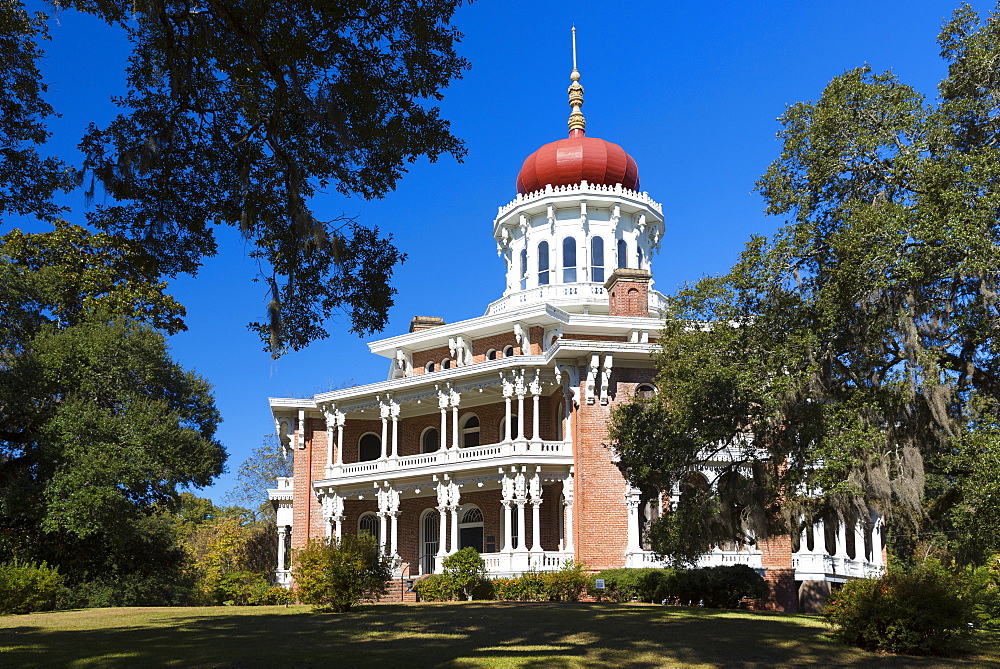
[577,124]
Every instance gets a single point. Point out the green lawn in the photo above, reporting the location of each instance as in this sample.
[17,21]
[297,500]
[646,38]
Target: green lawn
[450,635]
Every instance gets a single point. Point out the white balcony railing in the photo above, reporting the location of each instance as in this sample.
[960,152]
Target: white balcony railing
[477,454]
[500,564]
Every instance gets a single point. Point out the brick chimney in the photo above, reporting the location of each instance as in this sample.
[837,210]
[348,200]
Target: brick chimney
[628,292]
[424,322]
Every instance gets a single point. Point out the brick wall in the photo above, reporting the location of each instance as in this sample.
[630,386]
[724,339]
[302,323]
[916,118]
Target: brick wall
[776,558]
[628,292]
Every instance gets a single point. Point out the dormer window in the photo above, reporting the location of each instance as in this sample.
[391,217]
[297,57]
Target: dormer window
[569,260]
[622,253]
[430,367]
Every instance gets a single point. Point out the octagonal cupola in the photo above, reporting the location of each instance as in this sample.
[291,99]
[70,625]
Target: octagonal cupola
[578,216]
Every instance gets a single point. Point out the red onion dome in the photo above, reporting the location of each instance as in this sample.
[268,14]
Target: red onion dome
[569,161]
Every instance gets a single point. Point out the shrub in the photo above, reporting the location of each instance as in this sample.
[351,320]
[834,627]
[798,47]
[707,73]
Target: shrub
[28,586]
[336,576]
[983,589]
[465,569]
[567,584]
[262,593]
[435,588]
[726,587]
[624,585]
[917,611]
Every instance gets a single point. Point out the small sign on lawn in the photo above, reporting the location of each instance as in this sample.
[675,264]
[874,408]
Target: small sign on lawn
[599,583]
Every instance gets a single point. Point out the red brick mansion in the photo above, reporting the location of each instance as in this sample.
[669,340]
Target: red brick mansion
[491,432]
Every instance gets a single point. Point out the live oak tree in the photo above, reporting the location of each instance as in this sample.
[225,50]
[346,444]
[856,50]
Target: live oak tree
[98,425]
[848,364]
[238,114]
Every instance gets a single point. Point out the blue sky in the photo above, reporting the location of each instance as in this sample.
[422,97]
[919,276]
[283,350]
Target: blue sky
[691,90]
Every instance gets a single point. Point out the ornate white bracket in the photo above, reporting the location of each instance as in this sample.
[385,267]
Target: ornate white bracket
[605,377]
[590,390]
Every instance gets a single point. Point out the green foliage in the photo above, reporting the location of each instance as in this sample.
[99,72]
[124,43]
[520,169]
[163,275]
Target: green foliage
[528,587]
[99,427]
[232,558]
[338,575]
[713,587]
[624,585]
[918,611]
[465,569]
[567,584]
[859,343]
[435,588]
[258,473]
[983,588]
[238,115]
[28,586]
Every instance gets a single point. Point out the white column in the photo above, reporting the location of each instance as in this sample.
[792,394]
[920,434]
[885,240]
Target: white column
[442,531]
[521,526]
[443,434]
[536,391]
[382,531]
[338,527]
[877,542]
[282,538]
[454,494]
[568,431]
[384,414]
[536,501]
[519,389]
[568,496]
[330,414]
[507,490]
[341,419]
[632,504]
[394,413]
[841,539]
[393,496]
[506,547]
[454,401]
[859,541]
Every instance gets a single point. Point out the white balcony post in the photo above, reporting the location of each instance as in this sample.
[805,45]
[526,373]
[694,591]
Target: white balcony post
[632,498]
[382,531]
[535,489]
[877,542]
[455,494]
[384,414]
[507,537]
[520,390]
[568,502]
[454,400]
[536,391]
[329,413]
[443,494]
[341,418]
[393,498]
[282,547]
[520,525]
[507,490]
[394,413]
[841,540]
[443,405]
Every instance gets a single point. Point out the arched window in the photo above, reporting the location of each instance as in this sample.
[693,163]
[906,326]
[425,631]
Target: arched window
[368,524]
[430,367]
[524,268]
[513,427]
[369,447]
[543,263]
[622,253]
[446,364]
[508,351]
[492,354]
[470,529]
[470,431]
[569,260]
[428,541]
[597,259]
[430,440]
[645,390]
